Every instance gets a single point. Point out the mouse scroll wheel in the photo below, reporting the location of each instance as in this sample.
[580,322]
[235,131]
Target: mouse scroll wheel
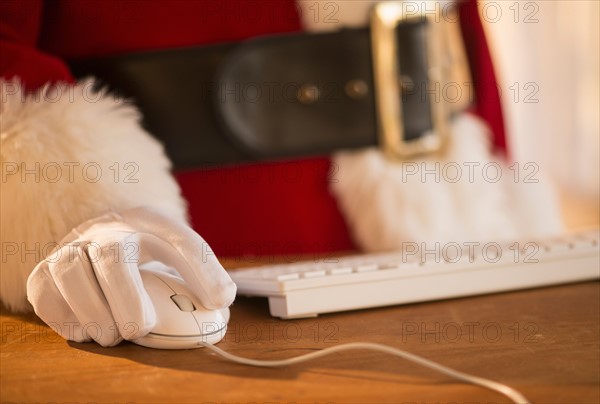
[183,302]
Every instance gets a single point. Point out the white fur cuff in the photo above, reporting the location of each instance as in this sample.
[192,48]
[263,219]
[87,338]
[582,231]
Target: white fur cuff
[68,154]
[467,196]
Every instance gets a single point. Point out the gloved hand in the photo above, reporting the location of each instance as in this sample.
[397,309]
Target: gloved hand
[90,287]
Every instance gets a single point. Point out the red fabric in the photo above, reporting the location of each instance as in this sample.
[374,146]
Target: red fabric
[74,29]
[487,96]
[20,23]
[267,209]
[276,208]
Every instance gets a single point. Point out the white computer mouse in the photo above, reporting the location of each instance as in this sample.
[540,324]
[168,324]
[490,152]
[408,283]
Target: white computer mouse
[181,321]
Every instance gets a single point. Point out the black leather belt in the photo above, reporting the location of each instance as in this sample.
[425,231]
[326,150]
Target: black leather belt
[273,97]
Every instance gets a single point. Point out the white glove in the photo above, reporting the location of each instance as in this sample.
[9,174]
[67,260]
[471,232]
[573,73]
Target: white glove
[90,287]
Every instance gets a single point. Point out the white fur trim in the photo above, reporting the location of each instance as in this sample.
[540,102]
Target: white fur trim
[86,154]
[385,205]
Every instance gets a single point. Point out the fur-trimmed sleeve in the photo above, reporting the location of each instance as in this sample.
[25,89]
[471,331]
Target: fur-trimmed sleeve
[67,153]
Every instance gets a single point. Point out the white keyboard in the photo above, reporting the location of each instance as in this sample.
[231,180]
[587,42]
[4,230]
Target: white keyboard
[420,273]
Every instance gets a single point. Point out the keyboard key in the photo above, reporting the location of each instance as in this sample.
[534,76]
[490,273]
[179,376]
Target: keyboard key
[558,245]
[465,258]
[366,268]
[410,265]
[287,277]
[390,265]
[340,271]
[589,239]
[313,274]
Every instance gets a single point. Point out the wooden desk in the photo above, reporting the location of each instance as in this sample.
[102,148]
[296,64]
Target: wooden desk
[544,342]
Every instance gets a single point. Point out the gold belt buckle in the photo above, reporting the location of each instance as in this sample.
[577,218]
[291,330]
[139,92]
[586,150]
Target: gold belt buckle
[447,63]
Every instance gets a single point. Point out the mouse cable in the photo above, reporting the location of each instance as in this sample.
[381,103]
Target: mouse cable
[507,391]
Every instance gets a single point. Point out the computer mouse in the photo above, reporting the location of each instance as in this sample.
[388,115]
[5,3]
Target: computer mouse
[182,322]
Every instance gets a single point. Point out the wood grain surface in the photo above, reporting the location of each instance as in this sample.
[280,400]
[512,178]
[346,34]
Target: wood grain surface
[544,342]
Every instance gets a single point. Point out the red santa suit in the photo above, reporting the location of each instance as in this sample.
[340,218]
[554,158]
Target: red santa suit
[237,217]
